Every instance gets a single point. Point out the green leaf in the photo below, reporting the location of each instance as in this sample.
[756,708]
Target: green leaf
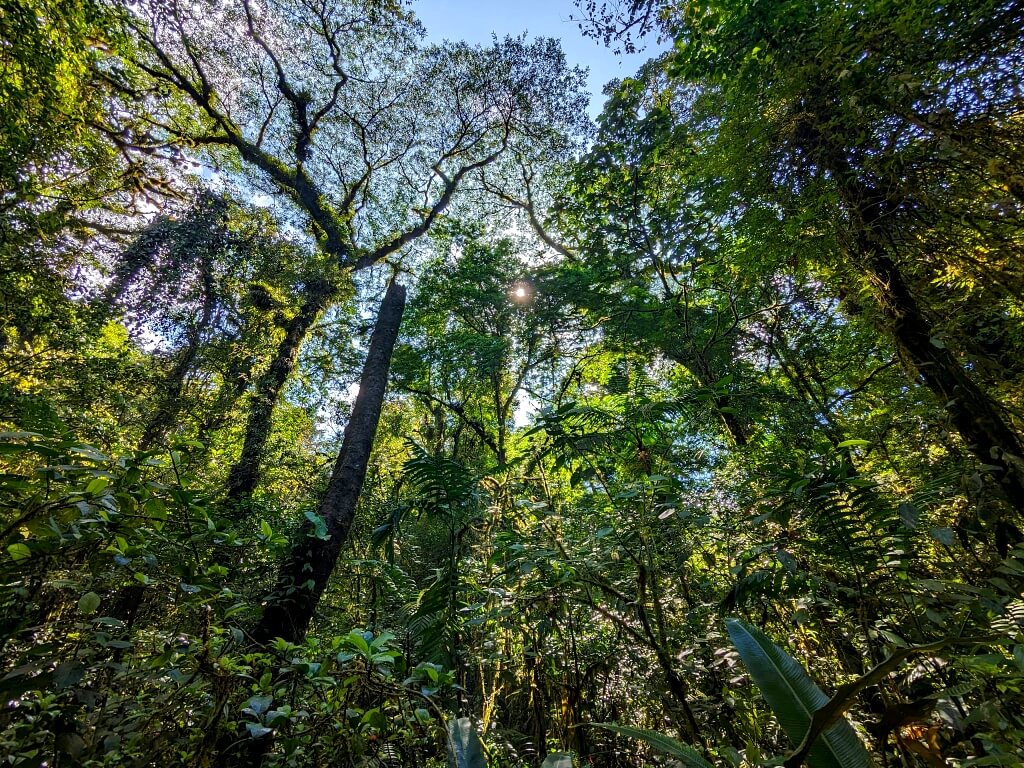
[67,675]
[943,536]
[382,640]
[464,747]
[374,718]
[319,525]
[97,485]
[853,443]
[357,640]
[260,704]
[19,552]
[794,698]
[684,753]
[557,760]
[88,603]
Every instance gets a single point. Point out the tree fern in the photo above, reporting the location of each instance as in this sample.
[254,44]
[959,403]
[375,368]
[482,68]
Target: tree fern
[440,488]
[439,485]
[854,523]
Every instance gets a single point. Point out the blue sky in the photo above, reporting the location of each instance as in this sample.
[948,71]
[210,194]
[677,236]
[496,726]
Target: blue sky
[475,20]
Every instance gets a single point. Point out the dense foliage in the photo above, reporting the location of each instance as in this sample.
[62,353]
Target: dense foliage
[364,405]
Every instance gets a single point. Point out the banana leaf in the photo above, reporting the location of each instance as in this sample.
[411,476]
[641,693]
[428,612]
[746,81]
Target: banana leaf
[464,747]
[794,698]
[685,754]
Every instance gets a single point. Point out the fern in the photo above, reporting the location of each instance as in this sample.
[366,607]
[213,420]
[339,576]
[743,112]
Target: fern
[440,485]
[854,523]
[440,488]
[756,587]
[395,580]
[432,619]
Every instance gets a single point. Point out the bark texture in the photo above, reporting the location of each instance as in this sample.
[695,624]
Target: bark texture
[305,573]
[246,472]
[974,414]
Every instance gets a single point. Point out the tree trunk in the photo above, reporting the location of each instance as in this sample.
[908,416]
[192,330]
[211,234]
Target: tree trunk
[733,426]
[304,575]
[245,474]
[974,414]
[169,398]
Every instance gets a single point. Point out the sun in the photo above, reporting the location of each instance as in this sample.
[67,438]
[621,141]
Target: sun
[521,292]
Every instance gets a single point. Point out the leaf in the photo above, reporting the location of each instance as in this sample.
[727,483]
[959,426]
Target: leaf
[357,640]
[382,640]
[88,603]
[97,485]
[910,515]
[260,704]
[319,525]
[557,760]
[19,552]
[684,753]
[67,675]
[794,698]
[464,747]
[943,536]
[853,443]
[71,744]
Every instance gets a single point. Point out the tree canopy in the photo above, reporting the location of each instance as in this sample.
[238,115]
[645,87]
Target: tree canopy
[365,404]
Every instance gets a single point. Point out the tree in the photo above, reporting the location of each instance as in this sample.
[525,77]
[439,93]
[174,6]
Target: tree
[47,86]
[847,139]
[305,574]
[337,109]
[649,257]
[640,464]
[483,329]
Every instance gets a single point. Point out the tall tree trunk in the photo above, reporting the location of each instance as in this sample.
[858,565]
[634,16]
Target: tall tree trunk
[974,414]
[170,405]
[305,573]
[732,425]
[245,474]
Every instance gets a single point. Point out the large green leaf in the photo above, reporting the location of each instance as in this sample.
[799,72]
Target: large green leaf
[794,698]
[464,747]
[685,754]
[557,760]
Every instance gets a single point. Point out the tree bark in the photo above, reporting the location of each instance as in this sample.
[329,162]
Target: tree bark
[304,575]
[973,413]
[246,472]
